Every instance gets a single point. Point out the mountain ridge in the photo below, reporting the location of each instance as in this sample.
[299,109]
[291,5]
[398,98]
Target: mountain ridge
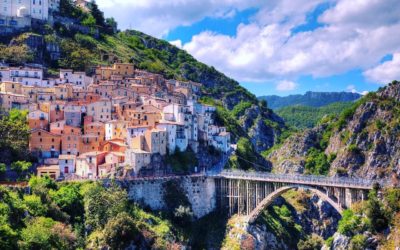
[310,98]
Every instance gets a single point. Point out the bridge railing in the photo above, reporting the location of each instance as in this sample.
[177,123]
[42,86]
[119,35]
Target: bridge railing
[307,179]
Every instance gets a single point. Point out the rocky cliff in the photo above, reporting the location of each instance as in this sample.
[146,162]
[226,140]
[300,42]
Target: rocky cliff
[282,225]
[363,141]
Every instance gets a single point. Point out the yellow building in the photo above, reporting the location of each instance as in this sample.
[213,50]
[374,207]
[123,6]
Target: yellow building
[11,87]
[10,101]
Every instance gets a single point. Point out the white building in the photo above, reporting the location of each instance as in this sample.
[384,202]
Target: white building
[26,76]
[37,9]
[135,131]
[78,79]
[170,128]
[137,159]
[67,164]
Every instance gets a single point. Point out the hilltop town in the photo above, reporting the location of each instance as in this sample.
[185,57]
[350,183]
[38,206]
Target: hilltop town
[119,119]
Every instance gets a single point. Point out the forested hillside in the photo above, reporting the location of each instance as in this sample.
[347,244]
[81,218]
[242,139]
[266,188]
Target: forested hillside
[301,117]
[311,99]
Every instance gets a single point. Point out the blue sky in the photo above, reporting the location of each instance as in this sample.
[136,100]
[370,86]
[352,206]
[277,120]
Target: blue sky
[278,47]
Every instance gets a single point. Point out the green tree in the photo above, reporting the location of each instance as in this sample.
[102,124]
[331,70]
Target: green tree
[68,9]
[14,137]
[358,242]
[376,213]
[35,205]
[20,166]
[177,203]
[101,204]
[69,200]
[89,21]
[317,162]
[245,153]
[45,233]
[3,168]
[120,231]
[314,242]
[36,183]
[16,54]
[350,223]
[97,13]
[75,56]
[8,236]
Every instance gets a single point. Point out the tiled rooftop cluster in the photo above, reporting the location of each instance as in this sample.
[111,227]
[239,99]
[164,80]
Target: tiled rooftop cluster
[89,126]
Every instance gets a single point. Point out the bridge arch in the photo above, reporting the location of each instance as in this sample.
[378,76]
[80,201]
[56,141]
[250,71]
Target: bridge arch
[272,196]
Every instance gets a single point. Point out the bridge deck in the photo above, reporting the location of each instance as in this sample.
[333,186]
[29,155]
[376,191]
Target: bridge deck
[343,182]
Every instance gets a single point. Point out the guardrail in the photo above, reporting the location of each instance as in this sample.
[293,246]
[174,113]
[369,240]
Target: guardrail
[302,179]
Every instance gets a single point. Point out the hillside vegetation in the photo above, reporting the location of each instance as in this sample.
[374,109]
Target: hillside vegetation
[310,99]
[301,117]
[362,141]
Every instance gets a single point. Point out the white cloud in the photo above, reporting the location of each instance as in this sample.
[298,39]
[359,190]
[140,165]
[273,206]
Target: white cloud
[385,72]
[177,43]
[286,85]
[157,17]
[351,88]
[267,49]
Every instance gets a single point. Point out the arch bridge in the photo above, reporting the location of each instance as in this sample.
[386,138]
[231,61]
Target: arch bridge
[248,193]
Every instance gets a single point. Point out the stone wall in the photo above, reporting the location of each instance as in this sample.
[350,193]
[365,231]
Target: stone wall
[199,190]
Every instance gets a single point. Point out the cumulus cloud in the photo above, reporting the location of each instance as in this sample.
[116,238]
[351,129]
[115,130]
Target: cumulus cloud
[286,85]
[177,43]
[268,49]
[157,17]
[351,88]
[385,72]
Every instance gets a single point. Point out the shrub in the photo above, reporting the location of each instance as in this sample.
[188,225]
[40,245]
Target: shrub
[358,242]
[240,108]
[314,242]
[317,162]
[329,241]
[350,223]
[3,168]
[120,231]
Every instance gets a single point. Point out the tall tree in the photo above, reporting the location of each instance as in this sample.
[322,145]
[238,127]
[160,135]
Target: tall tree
[97,13]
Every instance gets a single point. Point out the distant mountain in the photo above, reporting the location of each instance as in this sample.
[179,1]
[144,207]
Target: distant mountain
[311,99]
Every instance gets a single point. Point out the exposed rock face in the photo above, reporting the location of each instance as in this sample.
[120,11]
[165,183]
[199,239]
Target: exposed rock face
[366,141]
[342,242]
[290,158]
[262,135]
[264,239]
[319,218]
[372,147]
[312,214]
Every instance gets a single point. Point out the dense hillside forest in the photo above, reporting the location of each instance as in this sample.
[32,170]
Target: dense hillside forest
[88,215]
[310,99]
[301,117]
